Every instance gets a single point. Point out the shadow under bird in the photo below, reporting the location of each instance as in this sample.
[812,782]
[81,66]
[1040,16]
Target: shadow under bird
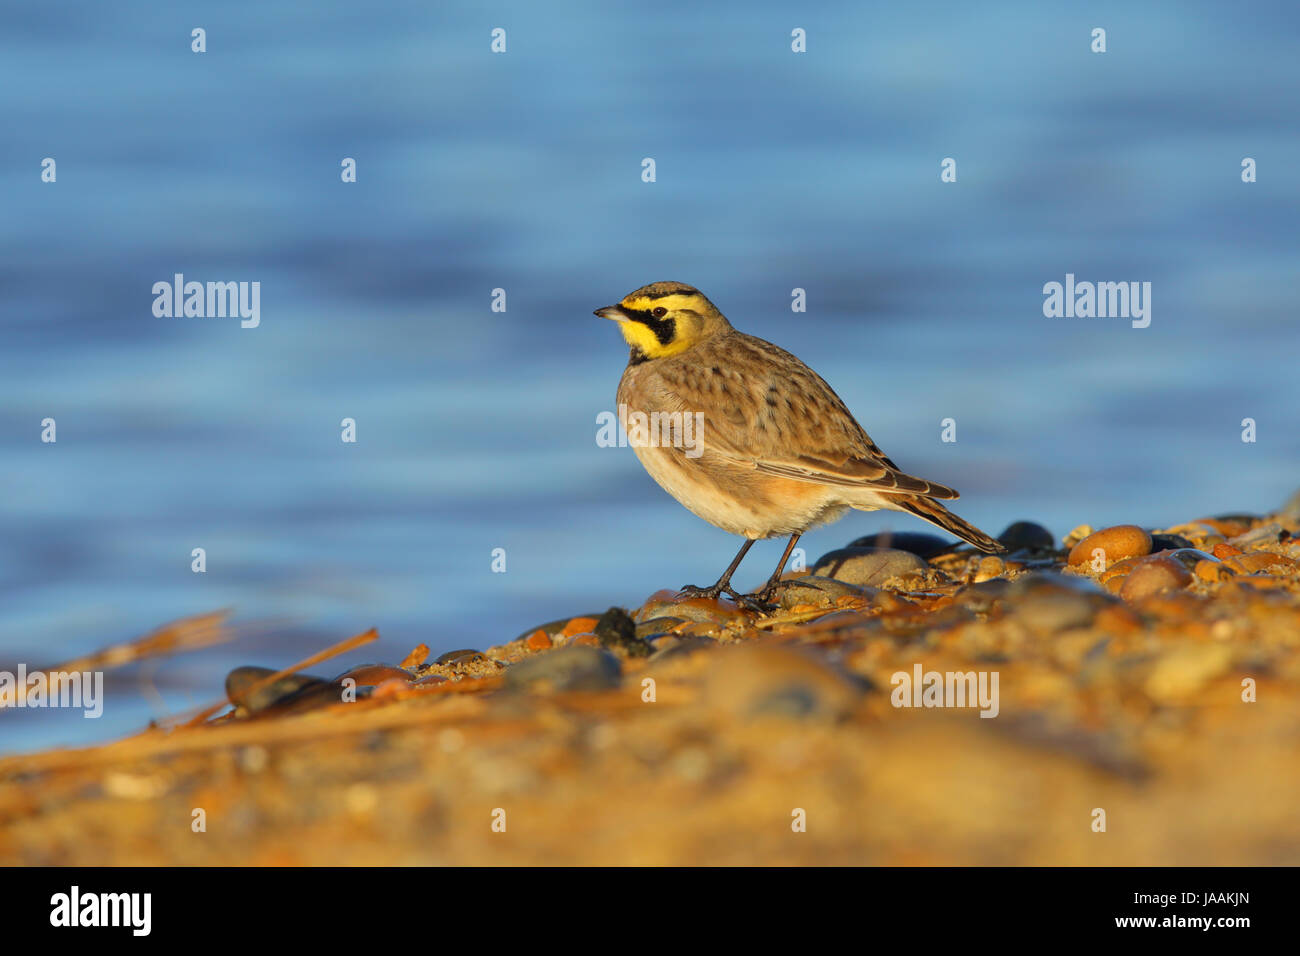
[777,452]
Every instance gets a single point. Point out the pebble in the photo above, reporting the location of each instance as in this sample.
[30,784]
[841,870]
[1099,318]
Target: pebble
[539,640]
[1118,542]
[1077,535]
[1156,574]
[815,591]
[764,680]
[1188,557]
[658,625]
[1047,603]
[990,567]
[983,596]
[419,654]
[867,567]
[703,610]
[466,655]
[617,632]
[1027,536]
[1163,541]
[1212,571]
[241,680]
[918,543]
[1260,561]
[1229,525]
[567,669]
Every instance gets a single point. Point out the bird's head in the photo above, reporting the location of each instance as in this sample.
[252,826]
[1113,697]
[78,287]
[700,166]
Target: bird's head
[665,318]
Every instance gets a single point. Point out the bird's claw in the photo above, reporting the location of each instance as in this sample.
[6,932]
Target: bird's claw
[691,591]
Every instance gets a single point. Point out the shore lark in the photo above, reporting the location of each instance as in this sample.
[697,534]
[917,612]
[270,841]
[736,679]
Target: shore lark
[776,452]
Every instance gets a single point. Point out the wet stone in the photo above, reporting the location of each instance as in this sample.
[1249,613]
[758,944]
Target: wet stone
[566,669]
[867,567]
[1027,536]
[922,545]
[617,632]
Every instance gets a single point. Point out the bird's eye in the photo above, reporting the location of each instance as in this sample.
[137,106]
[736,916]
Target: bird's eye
[660,312]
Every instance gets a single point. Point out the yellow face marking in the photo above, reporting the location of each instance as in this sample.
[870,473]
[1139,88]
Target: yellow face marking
[683,309]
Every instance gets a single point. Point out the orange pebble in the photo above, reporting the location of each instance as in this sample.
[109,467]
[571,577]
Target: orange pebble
[1225,551]
[1260,561]
[539,640]
[579,625]
[1117,542]
[418,655]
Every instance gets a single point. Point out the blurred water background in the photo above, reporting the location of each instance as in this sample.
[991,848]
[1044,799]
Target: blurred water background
[476,430]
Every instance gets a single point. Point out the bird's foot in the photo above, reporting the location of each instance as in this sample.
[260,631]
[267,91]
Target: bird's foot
[764,600]
[691,591]
[759,602]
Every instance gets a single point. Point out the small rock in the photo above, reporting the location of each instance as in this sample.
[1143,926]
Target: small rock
[703,610]
[241,681]
[1152,576]
[990,567]
[1027,536]
[982,596]
[867,567]
[1117,542]
[1187,557]
[1212,571]
[1260,561]
[1077,535]
[1047,603]
[816,592]
[419,654]
[617,632]
[567,669]
[466,655]
[1163,541]
[539,640]
[918,543]
[658,625]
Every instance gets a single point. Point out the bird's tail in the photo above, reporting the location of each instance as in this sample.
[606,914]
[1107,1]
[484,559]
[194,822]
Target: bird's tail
[936,513]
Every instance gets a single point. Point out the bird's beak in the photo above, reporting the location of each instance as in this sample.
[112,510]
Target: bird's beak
[614,312]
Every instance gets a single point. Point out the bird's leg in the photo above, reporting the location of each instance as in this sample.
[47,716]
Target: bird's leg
[724,582]
[762,599]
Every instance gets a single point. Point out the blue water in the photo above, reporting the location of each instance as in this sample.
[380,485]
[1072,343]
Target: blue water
[476,429]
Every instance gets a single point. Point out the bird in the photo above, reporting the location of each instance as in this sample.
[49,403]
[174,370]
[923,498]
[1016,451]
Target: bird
[748,437]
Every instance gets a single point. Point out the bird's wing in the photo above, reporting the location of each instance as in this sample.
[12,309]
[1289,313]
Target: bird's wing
[772,413]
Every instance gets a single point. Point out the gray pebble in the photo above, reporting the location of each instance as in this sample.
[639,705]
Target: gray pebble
[867,567]
[566,669]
